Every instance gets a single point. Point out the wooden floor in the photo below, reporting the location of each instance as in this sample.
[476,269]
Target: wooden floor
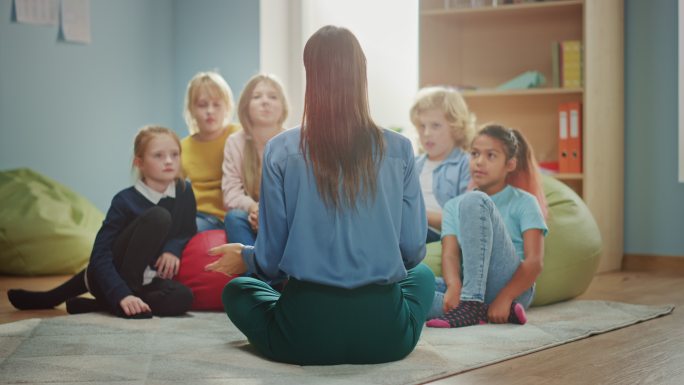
[648,353]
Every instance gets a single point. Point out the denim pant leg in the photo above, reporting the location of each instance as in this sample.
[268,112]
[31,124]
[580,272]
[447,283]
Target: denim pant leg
[432,236]
[487,253]
[207,222]
[238,229]
[438,300]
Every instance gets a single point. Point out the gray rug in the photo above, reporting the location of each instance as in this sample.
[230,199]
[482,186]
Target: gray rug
[205,348]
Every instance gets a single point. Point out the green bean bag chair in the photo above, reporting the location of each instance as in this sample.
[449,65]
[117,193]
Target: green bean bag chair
[572,247]
[45,228]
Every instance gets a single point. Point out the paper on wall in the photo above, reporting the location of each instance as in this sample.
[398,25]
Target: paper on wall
[75,25]
[41,12]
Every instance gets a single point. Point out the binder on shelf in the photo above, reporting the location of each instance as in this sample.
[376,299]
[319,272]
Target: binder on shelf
[563,139]
[575,137]
[571,63]
[555,64]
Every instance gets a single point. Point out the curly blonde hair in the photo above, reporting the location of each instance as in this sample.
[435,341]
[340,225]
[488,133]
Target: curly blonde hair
[456,112]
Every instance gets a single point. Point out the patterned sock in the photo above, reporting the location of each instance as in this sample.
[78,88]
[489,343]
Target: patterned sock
[517,314]
[78,305]
[467,313]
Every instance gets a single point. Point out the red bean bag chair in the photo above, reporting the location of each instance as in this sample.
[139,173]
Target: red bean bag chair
[206,286]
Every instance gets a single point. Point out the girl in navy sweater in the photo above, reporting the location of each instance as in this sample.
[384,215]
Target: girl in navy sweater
[137,249]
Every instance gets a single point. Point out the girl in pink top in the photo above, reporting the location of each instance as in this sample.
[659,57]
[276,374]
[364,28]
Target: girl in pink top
[262,109]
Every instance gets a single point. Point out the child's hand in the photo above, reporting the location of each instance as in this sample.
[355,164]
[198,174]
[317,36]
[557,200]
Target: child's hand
[452,297]
[132,305]
[253,218]
[499,310]
[167,265]
[230,262]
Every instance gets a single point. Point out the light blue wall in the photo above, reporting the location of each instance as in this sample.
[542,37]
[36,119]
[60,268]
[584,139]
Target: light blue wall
[220,35]
[654,200]
[70,111]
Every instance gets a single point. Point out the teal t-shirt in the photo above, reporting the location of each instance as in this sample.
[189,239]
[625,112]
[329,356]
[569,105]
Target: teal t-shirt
[519,210]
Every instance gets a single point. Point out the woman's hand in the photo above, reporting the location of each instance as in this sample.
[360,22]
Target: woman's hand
[132,305]
[253,217]
[499,310]
[452,297]
[167,265]
[230,262]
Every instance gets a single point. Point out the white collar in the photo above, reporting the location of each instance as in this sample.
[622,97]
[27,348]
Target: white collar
[155,196]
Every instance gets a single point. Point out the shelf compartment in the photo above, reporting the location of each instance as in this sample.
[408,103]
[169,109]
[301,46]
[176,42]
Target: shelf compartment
[535,115]
[532,92]
[491,47]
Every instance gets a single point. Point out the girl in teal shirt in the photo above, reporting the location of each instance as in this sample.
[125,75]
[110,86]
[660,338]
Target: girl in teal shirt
[493,238]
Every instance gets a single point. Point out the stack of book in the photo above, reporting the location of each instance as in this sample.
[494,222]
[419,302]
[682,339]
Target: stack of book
[566,59]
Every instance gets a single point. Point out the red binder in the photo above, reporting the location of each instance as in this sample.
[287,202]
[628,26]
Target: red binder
[575,135]
[563,139]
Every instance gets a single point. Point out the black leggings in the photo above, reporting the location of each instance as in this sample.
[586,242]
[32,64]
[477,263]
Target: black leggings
[136,248]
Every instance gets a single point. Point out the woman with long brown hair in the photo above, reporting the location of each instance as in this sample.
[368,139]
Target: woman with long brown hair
[343,219]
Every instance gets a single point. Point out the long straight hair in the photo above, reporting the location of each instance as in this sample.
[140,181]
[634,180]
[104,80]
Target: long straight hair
[251,162]
[526,175]
[339,139]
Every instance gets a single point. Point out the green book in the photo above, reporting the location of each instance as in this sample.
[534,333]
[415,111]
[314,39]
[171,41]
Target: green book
[555,64]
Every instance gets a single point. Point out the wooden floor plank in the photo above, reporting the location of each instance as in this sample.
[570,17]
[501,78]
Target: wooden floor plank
[647,353]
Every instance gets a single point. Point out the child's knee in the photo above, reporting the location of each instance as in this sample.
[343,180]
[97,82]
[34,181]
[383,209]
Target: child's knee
[157,216]
[235,215]
[475,201]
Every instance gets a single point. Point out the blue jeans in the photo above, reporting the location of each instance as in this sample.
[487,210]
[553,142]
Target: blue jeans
[238,228]
[488,257]
[432,236]
[207,222]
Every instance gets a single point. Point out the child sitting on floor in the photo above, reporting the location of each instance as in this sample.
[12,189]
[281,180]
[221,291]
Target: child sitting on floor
[493,238]
[148,224]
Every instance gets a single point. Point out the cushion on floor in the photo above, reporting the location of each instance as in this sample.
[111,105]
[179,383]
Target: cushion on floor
[45,228]
[572,247]
[206,286]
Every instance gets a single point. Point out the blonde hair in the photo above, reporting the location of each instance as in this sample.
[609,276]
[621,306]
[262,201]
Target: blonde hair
[456,112]
[143,139]
[251,164]
[217,88]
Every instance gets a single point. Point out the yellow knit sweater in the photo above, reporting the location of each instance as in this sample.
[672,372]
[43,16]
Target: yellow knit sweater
[201,162]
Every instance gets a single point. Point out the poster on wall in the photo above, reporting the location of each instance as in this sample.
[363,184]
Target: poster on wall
[40,12]
[75,26]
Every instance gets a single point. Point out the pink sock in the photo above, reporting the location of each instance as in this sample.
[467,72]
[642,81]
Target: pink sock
[518,315]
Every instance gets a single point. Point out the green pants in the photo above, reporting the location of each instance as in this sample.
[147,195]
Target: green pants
[313,324]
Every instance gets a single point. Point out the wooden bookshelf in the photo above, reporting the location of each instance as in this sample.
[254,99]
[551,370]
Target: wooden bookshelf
[436,8]
[478,49]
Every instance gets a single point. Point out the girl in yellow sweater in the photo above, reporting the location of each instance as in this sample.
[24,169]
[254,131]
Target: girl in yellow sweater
[208,111]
